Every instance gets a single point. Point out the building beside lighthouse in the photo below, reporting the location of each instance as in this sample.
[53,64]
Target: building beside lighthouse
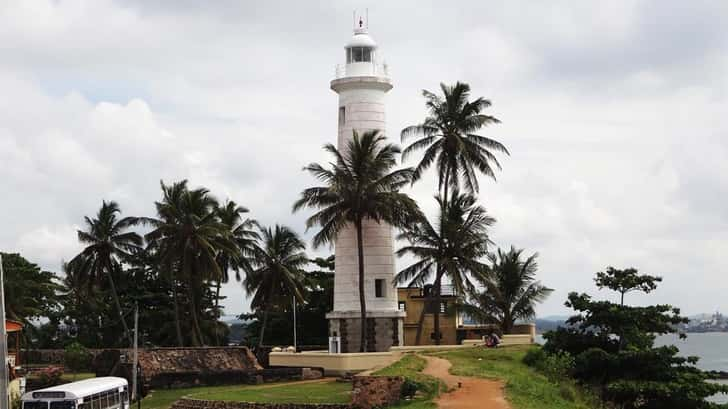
[362,84]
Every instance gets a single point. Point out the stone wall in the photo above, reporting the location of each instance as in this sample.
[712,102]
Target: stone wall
[47,356]
[186,367]
[376,391]
[382,333]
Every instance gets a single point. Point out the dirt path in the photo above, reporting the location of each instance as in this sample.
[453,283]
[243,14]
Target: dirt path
[466,392]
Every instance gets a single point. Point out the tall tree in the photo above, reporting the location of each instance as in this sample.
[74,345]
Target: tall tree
[360,185]
[449,138]
[109,244]
[510,290]
[188,238]
[626,281]
[242,234]
[277,273]
[452,247]
[614,352]
[30,293]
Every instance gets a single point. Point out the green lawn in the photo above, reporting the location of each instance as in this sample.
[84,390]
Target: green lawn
[525,388]
[411,366]
[319,392]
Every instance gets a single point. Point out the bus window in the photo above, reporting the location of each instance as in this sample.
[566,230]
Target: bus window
[63,404]
[35,405]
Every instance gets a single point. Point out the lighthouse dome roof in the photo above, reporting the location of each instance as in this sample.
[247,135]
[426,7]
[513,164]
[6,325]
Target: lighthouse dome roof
[361,38]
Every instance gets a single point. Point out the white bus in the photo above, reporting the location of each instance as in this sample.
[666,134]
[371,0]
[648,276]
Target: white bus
[95,393]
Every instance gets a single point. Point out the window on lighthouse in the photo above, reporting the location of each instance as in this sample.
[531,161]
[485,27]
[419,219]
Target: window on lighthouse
[359,54]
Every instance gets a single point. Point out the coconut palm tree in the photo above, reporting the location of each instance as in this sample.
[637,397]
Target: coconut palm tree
[188,238]
[245,238]
[448,137]
[277,273]
[109,244]
[510,290]
[451,248]
[360,185]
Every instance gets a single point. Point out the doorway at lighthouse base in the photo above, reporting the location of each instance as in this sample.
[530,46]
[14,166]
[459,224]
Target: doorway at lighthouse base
[384,329]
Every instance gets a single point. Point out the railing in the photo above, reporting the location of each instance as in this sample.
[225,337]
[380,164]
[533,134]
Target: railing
[445,290]
[362,69]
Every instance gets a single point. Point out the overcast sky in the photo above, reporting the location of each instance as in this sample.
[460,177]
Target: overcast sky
[615,114]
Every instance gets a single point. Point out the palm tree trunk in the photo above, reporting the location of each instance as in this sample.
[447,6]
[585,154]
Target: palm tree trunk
[362,300]
[421,320]
[177,325]
[262,327]
[438,302]
[217,313]
[438,278]
[115,296]
[196,333]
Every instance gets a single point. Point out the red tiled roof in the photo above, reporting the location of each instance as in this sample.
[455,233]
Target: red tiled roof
[13,326]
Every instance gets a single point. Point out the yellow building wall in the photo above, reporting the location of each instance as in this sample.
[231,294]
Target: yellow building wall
[414,306]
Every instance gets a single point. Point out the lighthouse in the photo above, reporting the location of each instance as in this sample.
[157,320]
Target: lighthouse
[362,84]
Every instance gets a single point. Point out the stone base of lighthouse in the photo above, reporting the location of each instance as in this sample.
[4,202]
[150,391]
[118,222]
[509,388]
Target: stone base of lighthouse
[385,329]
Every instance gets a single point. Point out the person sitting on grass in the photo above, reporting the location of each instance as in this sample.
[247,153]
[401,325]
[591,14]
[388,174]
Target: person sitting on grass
[492,340]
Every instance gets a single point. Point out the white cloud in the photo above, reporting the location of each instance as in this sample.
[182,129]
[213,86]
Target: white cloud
[614,114]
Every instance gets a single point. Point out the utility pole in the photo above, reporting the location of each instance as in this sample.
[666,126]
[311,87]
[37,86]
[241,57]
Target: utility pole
[4,383]
[295,343]
[134,365]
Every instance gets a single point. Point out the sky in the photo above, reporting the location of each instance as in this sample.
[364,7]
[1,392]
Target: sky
[615,114]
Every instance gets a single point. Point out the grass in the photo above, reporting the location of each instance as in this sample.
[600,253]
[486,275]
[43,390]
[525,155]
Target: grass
[69,377]
[411,366]
[525,388]
[317,392]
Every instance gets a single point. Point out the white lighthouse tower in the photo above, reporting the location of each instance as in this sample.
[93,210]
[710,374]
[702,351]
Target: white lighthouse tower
[362,84]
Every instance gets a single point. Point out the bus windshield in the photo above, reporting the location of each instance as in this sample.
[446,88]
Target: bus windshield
[63,404]
[37,404]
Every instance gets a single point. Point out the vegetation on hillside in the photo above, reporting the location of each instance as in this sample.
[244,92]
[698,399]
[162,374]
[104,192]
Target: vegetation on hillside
[612,349]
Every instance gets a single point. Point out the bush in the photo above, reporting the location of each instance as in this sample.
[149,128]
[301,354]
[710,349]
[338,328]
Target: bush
[50,376]
[409,389]
[556,366]
[534,356]
[76,357]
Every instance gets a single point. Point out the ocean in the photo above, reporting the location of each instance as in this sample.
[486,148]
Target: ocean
[710,347]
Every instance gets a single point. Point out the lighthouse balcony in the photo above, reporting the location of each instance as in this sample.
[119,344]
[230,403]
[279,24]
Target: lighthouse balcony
[362,69]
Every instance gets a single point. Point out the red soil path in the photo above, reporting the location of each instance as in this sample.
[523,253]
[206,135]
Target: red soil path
[466,393]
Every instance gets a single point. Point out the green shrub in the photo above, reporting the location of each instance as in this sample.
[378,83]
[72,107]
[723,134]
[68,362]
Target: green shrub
[76,357]
[409,389]
[567,392]
[558,366]
[534,356]
[50,376]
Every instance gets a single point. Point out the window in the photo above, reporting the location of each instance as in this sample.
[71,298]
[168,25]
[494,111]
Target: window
[63,404]
[402,306]
[342,116]
[379,289]
[430,307]
[35,405]
[359,54]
